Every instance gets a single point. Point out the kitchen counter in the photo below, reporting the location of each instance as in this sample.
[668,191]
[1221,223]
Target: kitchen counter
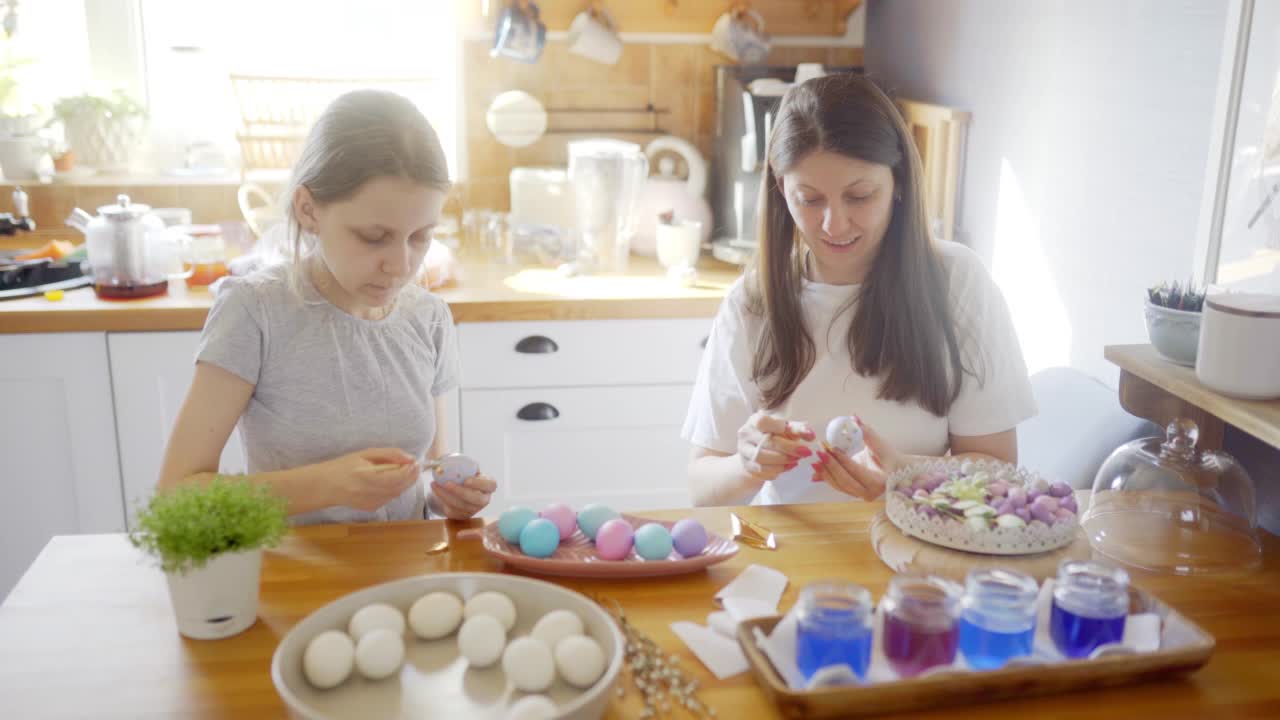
[486,293]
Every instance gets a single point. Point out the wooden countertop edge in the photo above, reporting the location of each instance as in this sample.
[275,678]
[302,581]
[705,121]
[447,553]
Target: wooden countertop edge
[1248,415]
[159,319]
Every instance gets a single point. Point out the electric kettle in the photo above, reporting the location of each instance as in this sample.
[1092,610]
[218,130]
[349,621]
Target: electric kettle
[124,243]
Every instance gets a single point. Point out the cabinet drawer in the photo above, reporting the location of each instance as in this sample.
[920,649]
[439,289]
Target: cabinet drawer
[615,445]
[576,353]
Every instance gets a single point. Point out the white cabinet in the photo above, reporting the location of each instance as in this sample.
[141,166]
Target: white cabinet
[61,472]
[150,375]
[580,411]
[616,445]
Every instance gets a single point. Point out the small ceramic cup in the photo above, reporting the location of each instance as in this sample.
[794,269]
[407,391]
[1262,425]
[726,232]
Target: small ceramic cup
[592,35]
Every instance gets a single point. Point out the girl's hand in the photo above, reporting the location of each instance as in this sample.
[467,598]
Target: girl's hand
[769,446]
[368,479]
[459,502]
[852,476]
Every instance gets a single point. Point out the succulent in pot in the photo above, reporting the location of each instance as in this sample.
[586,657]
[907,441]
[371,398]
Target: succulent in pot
[1173,321]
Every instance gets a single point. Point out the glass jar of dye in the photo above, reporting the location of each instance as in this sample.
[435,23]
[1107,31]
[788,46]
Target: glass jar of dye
[833,627]
[921,628]
[1090,604]
[997,617]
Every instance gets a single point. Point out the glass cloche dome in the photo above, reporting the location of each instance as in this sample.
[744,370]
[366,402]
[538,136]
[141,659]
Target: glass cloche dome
[1163,506]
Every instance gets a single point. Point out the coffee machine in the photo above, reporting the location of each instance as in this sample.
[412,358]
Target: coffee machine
[747,98]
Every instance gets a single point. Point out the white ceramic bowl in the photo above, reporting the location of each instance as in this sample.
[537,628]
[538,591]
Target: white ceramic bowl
[435,681]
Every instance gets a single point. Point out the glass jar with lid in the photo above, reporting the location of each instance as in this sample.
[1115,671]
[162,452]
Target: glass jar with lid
[1165,506]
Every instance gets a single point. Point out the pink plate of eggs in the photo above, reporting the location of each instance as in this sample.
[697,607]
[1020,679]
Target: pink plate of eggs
[599,542]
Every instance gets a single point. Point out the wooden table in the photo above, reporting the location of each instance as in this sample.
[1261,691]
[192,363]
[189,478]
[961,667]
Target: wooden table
[1158,390]
[88,632]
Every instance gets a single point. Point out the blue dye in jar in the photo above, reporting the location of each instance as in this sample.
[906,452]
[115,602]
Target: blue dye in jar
[1090,603]
[997,617]
[833,628]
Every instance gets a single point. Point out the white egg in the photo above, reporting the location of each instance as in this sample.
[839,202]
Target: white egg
[556,626]
[494,604]
[379,653]
[435,615]
[372,617]
[532,707]
[328,659]
[528,664]
[579,660]
[481,640]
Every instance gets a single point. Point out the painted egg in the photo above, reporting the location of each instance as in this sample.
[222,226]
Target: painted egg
[653,542]
[513,520]
[689,537]
[844,434]
[614,539]
[593,516]
[562,515]
[539,538]
[454,469]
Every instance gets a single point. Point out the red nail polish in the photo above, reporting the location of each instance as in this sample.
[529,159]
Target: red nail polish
[823,457]
[789,466]
[803,452]
[857,420]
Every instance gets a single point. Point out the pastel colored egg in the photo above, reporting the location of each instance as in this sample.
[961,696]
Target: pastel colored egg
[591,517]
[562,515]
[653,542]
[539,538]
[689,537]
[614,539]
[454,469]
[513,520]
[844,434]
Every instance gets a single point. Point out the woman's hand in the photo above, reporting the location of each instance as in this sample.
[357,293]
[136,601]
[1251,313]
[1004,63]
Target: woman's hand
[459,502]
[769,446]
[368,479]
[851,476]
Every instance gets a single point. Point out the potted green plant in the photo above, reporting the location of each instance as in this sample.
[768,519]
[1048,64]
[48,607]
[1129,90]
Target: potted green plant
[1173,321]
[208,539]
[104,131]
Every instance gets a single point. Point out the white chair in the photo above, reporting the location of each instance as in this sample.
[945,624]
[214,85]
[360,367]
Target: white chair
[1080,423]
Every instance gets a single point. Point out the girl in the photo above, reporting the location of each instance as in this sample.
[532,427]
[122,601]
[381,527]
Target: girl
[850,309]
[332,363]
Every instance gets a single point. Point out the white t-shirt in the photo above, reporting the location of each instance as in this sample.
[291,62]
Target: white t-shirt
[725,395]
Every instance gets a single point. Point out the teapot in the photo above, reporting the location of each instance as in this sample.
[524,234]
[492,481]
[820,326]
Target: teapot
[128,249]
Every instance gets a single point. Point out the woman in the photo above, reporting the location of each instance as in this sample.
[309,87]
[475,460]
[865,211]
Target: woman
[333,364]
[851,308]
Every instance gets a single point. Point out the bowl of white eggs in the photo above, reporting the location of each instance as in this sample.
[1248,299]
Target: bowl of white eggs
[452,645]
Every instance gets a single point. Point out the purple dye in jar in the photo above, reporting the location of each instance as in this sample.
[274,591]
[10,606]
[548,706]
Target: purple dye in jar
[921,628]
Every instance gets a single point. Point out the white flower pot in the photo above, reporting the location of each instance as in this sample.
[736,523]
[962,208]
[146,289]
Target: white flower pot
[106,144]
[1174,333]
[220,599]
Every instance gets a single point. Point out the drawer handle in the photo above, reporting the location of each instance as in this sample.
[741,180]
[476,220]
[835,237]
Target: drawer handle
[704,342]
[538,411]
[537,345]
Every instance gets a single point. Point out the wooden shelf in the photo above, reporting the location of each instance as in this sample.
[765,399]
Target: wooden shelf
[1260,419]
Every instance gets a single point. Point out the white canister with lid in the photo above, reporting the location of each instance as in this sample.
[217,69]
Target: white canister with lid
[1239,352]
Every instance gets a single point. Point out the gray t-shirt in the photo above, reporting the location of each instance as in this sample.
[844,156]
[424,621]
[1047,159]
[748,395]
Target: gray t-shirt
[327,383]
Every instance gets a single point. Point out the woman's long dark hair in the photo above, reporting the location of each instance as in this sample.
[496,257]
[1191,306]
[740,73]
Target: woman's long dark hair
[903,330]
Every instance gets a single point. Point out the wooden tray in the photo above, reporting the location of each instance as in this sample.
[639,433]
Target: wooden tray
[951,689]
[906,554]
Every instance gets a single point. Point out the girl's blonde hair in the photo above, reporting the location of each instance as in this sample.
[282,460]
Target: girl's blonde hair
[362,135]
